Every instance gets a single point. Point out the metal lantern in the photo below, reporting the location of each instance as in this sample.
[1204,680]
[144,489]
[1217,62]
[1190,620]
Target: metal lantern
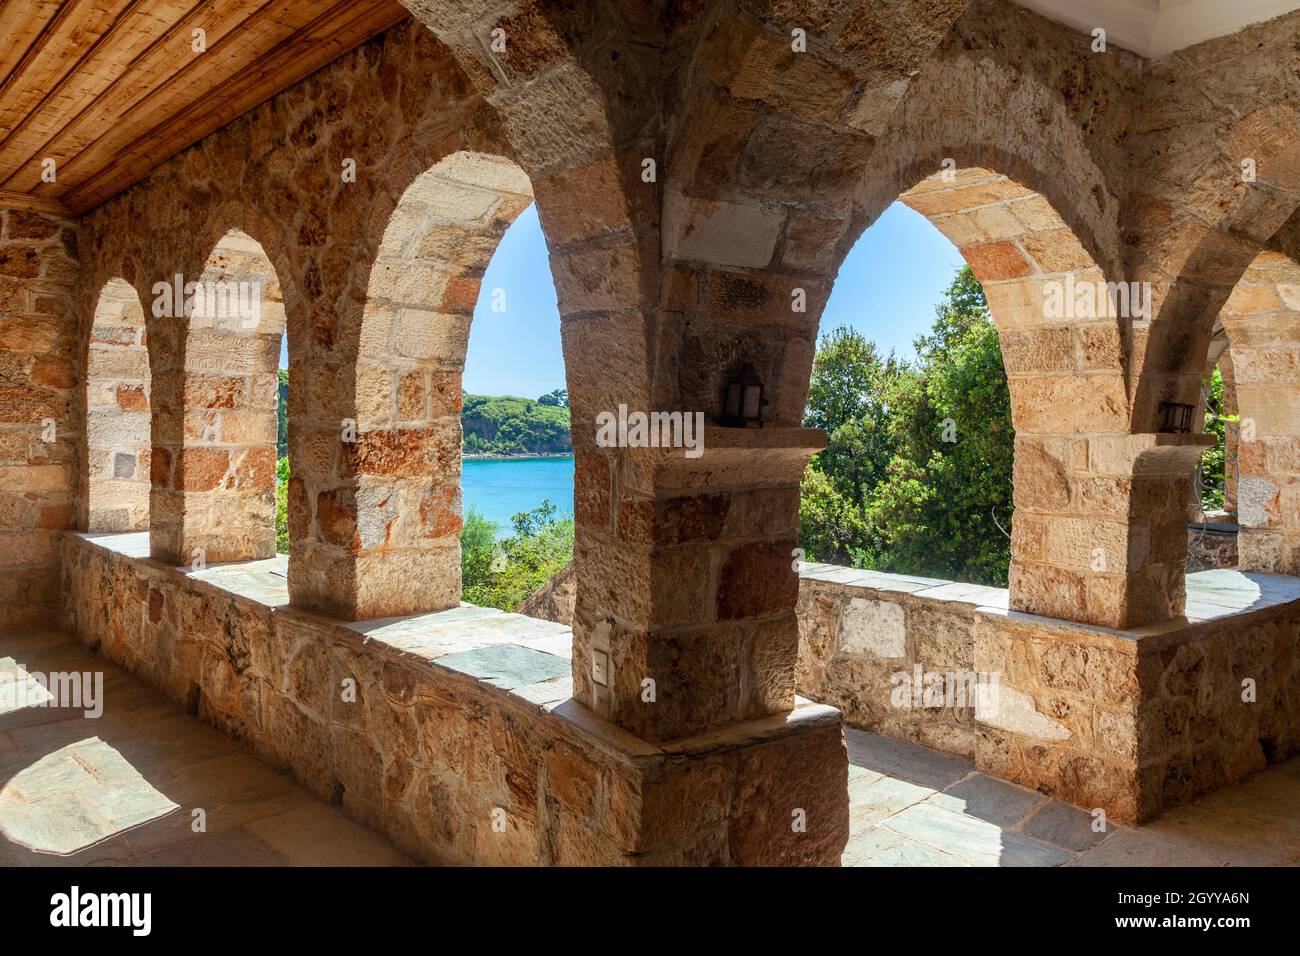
[1175,417]
[744,404]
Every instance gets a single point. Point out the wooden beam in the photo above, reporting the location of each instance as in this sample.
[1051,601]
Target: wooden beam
[9,199]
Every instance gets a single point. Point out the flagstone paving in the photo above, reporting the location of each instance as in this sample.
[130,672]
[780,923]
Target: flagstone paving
[124,788]
[912,806]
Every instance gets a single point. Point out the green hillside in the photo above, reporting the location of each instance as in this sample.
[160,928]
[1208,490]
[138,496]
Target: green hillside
[493,424]
[507,425]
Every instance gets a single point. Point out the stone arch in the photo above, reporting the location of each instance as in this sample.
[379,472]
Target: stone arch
[1061,313]
[1193,243]
[117,419]
[1048,297]
[383,504]
[215,442]
[1261,319]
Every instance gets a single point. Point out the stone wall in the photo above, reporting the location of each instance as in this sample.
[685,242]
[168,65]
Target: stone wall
[39,424]
[1132,722]
[1136,722]
[1211,546]
[868,641]
[452,768]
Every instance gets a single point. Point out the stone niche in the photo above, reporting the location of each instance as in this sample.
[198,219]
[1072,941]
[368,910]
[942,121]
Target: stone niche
[451,767]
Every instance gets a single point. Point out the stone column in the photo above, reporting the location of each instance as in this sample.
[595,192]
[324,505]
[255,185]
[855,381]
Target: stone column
[1262,319]
[1100,530]
[214,432]
[687,583]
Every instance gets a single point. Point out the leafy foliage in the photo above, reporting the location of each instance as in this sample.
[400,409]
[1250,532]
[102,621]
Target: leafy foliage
[916,476]
[282,505]
[558,398]
[504,573]
[1214,460]
[282,415]
[506,425]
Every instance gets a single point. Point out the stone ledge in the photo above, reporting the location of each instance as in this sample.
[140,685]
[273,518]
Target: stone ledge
[449,730]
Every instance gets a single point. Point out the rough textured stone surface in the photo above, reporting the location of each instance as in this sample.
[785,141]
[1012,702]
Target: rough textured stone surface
[767,167]
[871,643]
[39,422]
[1137,722]
[459,763]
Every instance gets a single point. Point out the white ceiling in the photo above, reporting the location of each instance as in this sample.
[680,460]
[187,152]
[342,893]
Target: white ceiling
[1156,28]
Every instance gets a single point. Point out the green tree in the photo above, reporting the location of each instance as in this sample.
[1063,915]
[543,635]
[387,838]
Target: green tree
[850,398]
[1214,459]
[556,399]
[282,505]
[282,414]
[504,573]
[916,476]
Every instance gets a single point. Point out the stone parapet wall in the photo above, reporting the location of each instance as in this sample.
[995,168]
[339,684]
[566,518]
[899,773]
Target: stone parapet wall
[1136,722]
[1211,547]
[1130,722]
[864,634]
[431,753]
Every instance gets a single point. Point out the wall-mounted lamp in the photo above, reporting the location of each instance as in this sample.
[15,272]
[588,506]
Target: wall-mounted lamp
[1176,417]
[744,404]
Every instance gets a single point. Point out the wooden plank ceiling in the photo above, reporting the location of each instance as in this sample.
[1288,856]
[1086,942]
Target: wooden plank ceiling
[109,89]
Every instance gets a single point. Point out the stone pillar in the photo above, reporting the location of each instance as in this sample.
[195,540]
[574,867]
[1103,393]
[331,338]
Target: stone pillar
[216,388]
[1100,530]
[687,583]
[1261,318]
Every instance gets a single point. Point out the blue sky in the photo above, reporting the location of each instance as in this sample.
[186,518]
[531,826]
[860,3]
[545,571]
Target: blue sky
[887,289]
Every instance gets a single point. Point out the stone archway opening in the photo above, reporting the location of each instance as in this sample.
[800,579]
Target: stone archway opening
[1261,322]
[517,467]
[388,514]
[117,413]
[910,386]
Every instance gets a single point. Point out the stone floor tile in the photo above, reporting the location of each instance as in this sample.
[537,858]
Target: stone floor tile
[866,843]
[977,842]
[988,798]
[60,822]
[871,801]
[919,764]
[227,849]
[313,835]
[912,853]
[1141,848]
[1062,825]
[1232,832]
[863,773]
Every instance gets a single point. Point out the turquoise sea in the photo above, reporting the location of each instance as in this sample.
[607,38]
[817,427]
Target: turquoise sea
[499,488]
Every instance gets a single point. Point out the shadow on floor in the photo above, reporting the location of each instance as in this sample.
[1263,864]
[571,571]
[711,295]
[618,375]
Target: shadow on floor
[123,788]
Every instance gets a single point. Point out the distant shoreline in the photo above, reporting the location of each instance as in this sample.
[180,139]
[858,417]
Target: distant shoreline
[522,457]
